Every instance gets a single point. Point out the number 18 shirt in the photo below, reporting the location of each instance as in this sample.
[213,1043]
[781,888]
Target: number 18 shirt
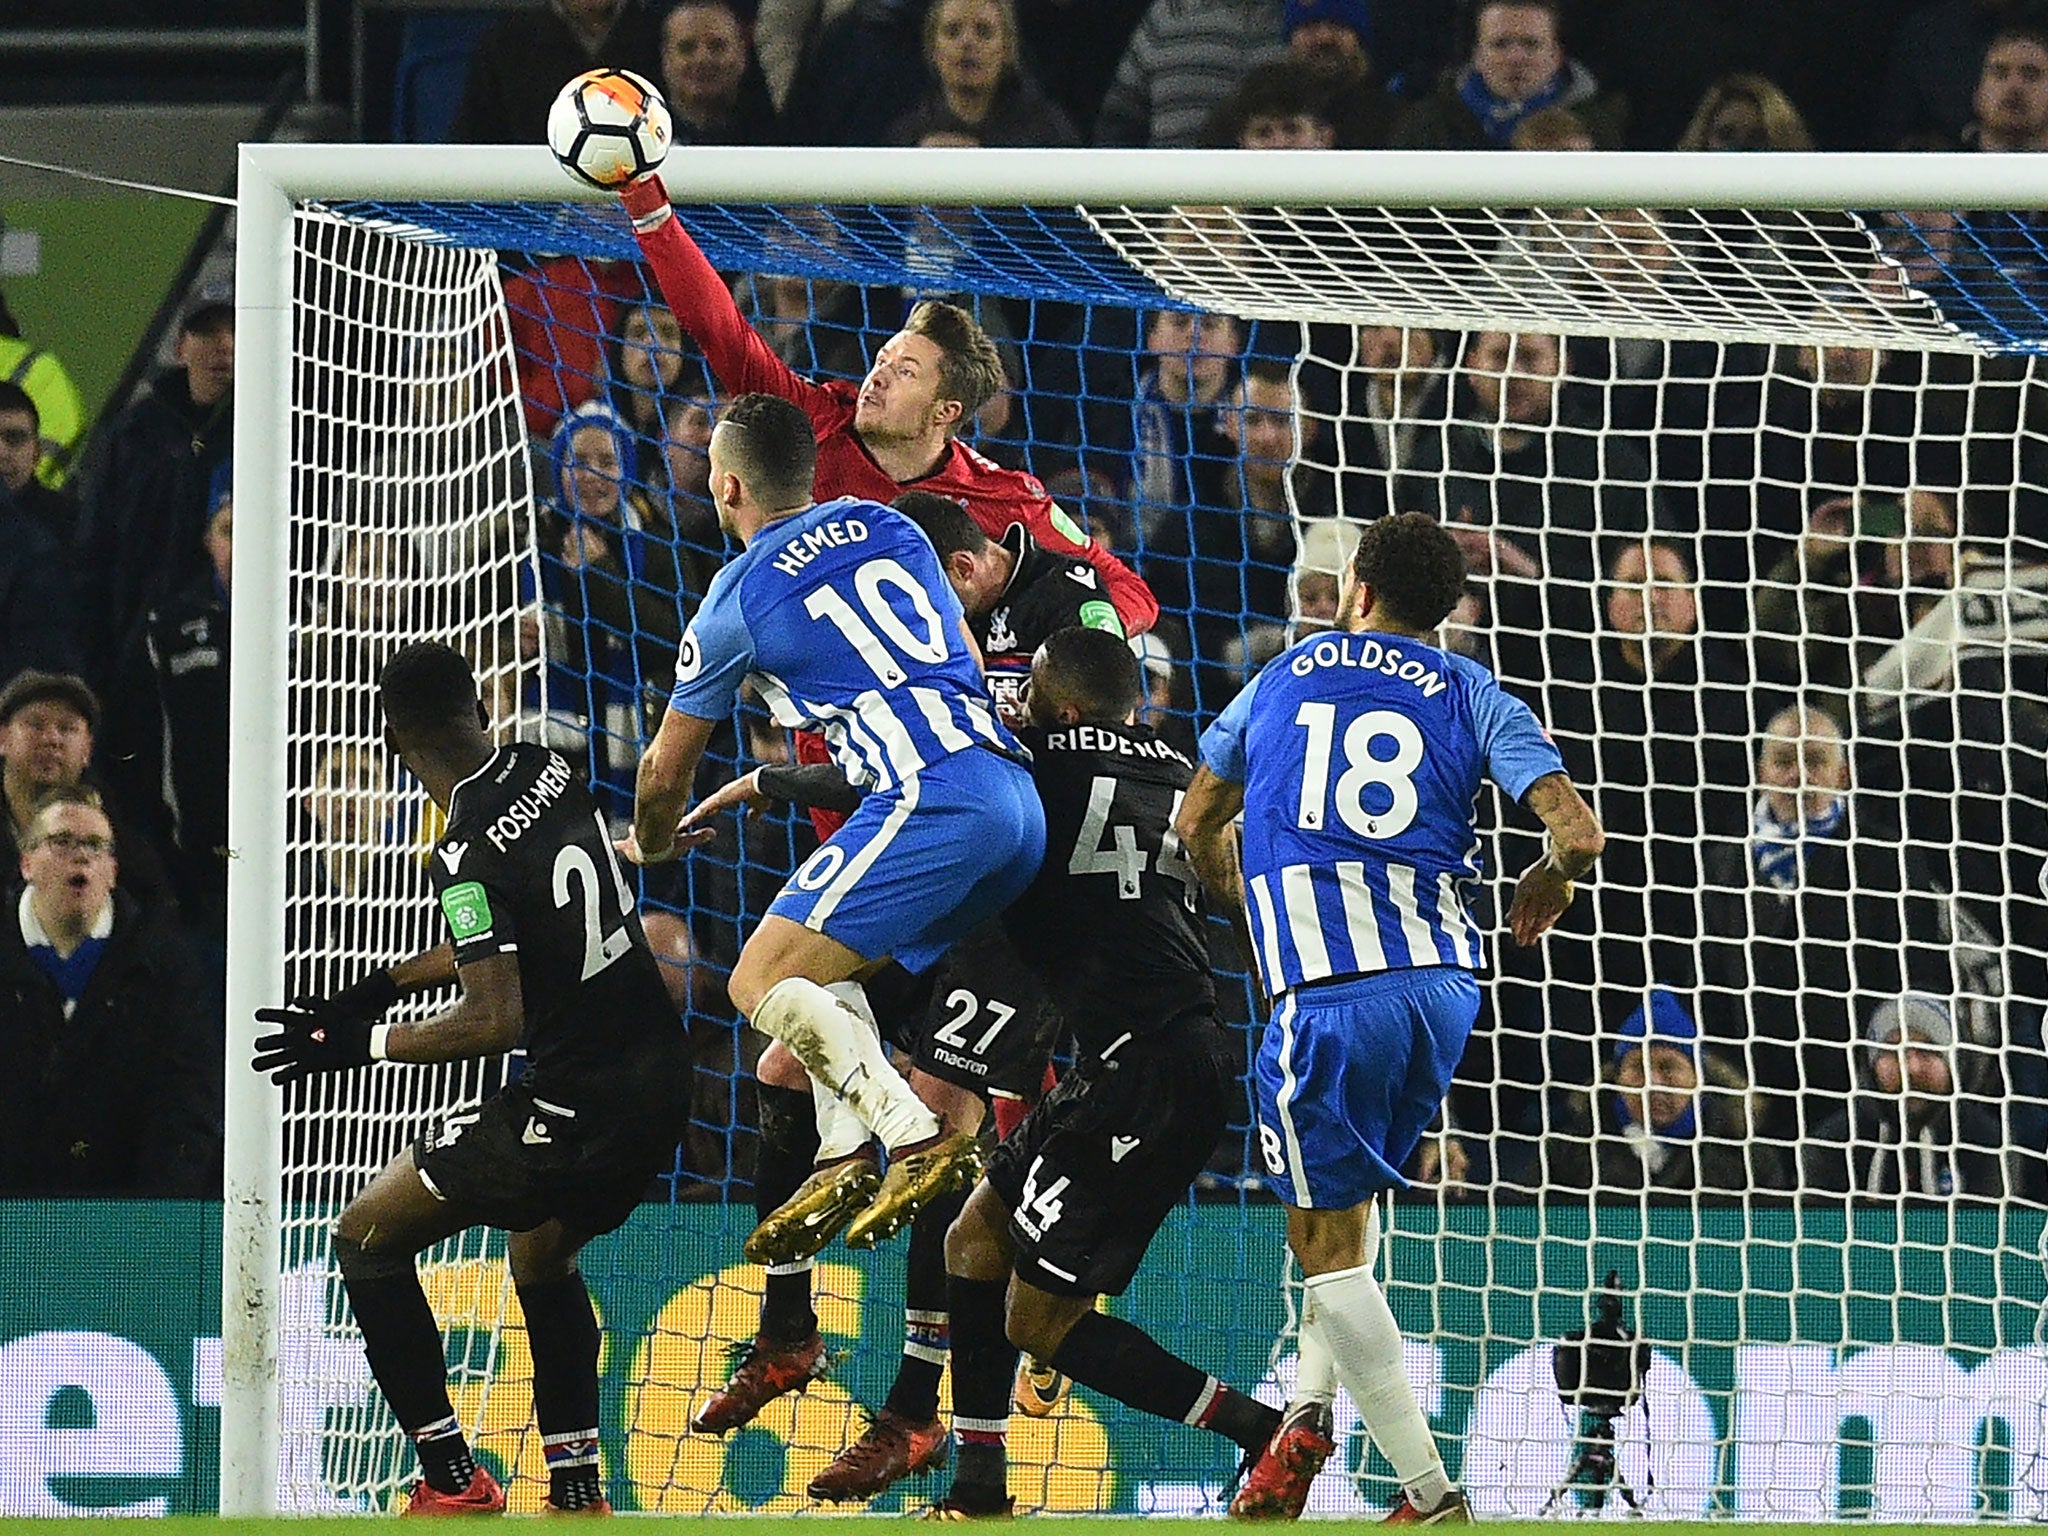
[1361,758]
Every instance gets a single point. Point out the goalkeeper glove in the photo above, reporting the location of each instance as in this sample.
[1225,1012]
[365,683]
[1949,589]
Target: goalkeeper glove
[647,203]
[329,1034]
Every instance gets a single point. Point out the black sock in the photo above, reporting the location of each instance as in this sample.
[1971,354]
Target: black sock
[403,1344]
[1128,1364]
[445,1461]
[915,1393]
[984,1372]
[782,1160]
[562,1330]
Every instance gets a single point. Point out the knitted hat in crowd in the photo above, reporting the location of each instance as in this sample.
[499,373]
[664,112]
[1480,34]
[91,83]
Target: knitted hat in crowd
[1663,1020]
[1350,13]
[1920,1016]
[29,686]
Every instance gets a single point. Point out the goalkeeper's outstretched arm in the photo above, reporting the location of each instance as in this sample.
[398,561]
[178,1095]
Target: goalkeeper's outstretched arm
[740,360]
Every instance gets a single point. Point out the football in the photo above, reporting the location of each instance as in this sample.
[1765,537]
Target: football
[609,126]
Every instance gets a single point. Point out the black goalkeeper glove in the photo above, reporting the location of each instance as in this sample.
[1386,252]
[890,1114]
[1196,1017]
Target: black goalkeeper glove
[324,1034]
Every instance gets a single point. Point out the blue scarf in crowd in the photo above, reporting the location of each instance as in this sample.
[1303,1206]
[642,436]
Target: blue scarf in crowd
[1778,850]
[71,974]
[1499,118]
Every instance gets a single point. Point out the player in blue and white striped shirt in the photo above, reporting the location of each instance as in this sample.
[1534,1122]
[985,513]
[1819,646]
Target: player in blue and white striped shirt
[1356,759]
[840,617]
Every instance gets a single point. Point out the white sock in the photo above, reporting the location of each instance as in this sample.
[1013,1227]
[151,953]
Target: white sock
[841,1132]
[1315,1369]
[1350,1312]
[842,1050]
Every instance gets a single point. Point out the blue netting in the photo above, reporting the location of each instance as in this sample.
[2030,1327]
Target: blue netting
[1986,272]
[1043,253]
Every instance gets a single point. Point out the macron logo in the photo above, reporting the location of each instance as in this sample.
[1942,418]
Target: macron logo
[451,855]
[1120,1147]
[1085,576]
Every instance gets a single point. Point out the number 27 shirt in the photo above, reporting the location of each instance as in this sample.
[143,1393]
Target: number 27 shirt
[1361,758]
[842,621]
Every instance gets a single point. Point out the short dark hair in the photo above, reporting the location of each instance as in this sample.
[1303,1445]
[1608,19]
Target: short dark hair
[944,521]
[771,448]
[427,688]
[14,398]
[208,319]
[2030,27]
[1091,669]
[30,686]
[970,367]
[1414,567]
[1282,88]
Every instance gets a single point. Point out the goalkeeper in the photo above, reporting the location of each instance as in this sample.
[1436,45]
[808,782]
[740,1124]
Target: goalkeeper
[549,953]
[899,425]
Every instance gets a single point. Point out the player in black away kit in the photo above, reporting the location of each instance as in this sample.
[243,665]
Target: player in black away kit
[548,952]
[1113,929]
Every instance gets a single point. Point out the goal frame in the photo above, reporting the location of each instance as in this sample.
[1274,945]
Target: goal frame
[274,179]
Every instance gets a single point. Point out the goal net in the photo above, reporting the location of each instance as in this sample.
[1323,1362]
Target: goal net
[1751,496]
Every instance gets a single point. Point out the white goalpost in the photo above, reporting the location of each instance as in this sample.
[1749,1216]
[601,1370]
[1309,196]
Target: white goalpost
[1798,391]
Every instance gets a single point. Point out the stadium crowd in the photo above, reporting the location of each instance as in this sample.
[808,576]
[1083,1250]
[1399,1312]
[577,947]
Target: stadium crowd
[1778,605]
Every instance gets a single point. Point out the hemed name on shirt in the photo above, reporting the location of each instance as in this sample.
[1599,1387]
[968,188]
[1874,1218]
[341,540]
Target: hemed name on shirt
[813,542]
[1372,656]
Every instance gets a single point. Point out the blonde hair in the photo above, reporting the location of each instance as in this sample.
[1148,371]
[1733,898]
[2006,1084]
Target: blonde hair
[1784,128]
[970,367]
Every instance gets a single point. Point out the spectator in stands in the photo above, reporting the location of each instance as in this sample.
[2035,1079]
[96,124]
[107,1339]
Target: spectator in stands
[978,83]
[1326,546]
[48,721]
[1866,571]
[1328,37]
[1547,492]
[1669,1116]
[686,461]
[1745,112]
[714,90]
[1186,57]
[1552,128]
[1189,364]
[856,63]
[621,574]
[60,414]
[1394,402]
[648,365]
[1803,917]
[1278,106]
[55,512]
[2012,94]
[114,1074]
[1907,1130]
[812,323]
[1518,66]
[168,735]
[519,67]
[1935,63]
[143,506]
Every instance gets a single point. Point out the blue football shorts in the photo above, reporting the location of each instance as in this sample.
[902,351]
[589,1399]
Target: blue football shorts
[1350,1074]
[919,866]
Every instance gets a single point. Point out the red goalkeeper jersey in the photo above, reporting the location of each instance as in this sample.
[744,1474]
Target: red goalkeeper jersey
[743,363]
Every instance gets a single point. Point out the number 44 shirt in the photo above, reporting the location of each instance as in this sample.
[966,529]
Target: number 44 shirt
[527,867]
[1361,758]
